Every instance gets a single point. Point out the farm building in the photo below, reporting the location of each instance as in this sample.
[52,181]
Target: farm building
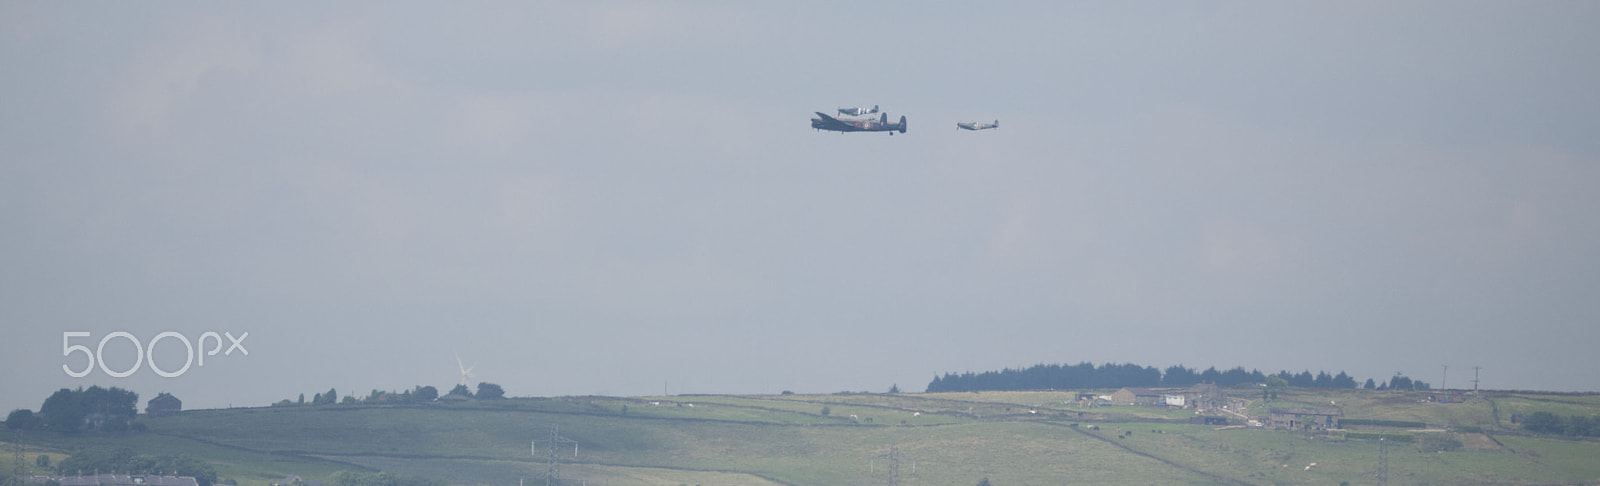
[1302,417]
[1205,396]
[163,405]
[1135,396]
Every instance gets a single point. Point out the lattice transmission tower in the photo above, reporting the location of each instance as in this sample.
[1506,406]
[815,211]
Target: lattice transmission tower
[895,457]
[21,467]
[553,466]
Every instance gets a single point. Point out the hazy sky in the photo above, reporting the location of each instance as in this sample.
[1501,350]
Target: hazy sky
[621,198]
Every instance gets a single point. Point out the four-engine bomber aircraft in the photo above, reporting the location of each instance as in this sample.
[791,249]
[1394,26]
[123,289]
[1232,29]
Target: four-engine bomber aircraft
[858,111]
[825,122]
[978,125]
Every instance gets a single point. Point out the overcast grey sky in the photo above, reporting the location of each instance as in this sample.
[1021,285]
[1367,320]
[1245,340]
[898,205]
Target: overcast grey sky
[617,198]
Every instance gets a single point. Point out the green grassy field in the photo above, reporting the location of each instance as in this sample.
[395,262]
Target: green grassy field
[1012,438]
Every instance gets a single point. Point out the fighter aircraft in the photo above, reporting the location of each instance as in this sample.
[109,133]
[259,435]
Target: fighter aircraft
[825,122]
[978,125]
[858,111]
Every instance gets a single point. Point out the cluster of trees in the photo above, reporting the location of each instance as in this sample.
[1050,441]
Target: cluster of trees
[94,409]
[1110,375]
[486,391]
[1178,375]
[1304,379]
[1399,382]
[1573,426]
[124,461]
[330,398]
[419,394]
[1054,376]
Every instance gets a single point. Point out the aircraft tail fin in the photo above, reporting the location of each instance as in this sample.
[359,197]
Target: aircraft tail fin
[902,122]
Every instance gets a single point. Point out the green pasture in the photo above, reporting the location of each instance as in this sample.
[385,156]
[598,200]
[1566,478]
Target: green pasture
[1562,405]
[946,439]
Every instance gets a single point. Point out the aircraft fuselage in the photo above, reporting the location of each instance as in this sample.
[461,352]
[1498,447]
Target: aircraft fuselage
[978,125]
[857,111]
[825,122]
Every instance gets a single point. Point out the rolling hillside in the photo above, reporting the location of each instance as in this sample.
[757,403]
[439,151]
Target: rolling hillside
[940,439]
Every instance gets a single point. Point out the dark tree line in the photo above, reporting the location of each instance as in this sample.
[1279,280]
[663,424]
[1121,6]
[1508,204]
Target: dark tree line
[1086,375]
[1399,382]
[1304,379]
[419,394]
[331,397]
[1573,426]
[1178,375]
[486,391]
[94,409]
[1052,376]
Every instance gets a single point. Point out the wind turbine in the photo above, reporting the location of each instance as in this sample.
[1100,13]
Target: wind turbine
[466,371]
